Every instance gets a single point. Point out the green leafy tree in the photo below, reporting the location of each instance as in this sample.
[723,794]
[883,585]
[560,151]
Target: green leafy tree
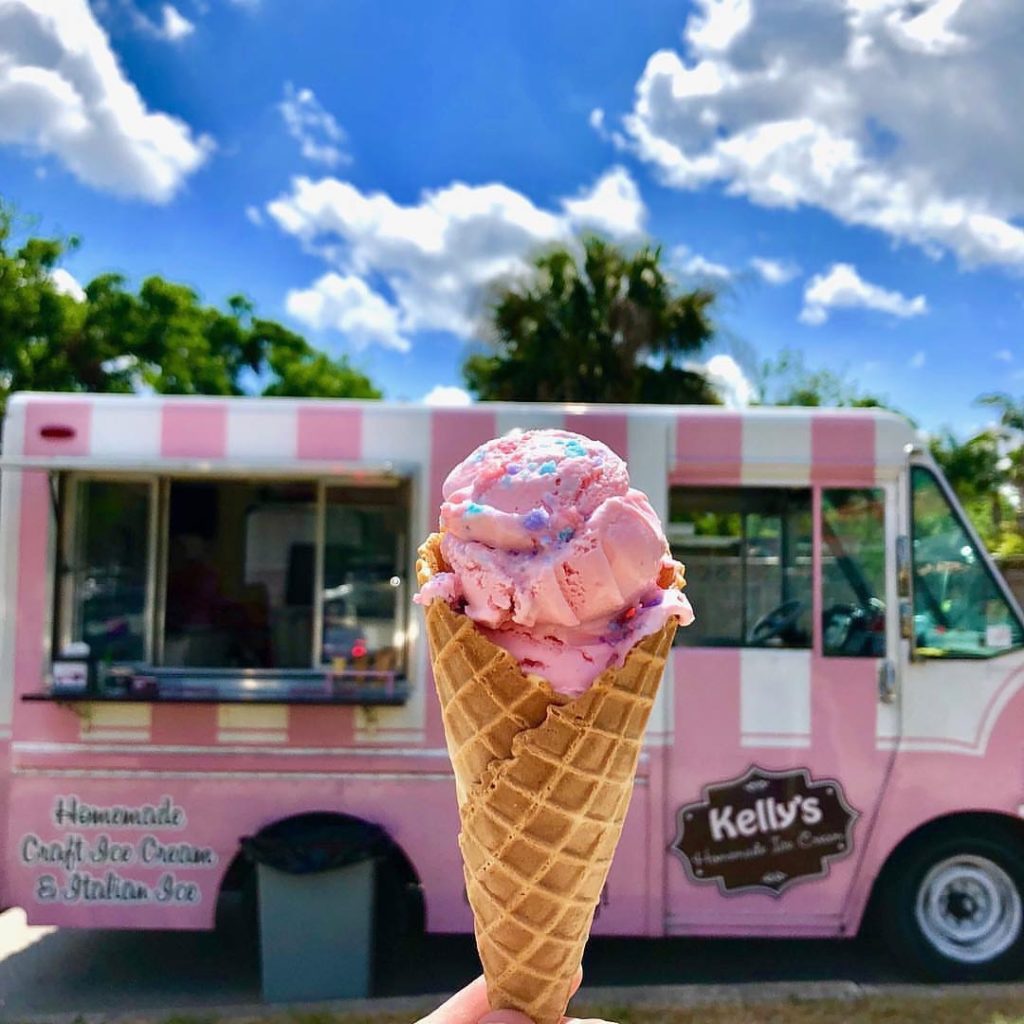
[788,380]
[160,338]
[972,467]
[978,474]
[298,370]
[602,326]
[1011,433]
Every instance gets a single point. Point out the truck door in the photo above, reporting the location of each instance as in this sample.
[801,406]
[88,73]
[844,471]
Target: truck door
[783,688]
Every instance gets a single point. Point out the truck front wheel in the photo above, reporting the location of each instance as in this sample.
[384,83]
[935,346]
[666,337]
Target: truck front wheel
[952,907]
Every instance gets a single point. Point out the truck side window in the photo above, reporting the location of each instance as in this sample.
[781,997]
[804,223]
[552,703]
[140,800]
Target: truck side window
[853,572]
[747,552]
[104,581]
[959,610]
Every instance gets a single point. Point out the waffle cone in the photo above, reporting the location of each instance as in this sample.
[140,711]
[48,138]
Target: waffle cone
[543,783]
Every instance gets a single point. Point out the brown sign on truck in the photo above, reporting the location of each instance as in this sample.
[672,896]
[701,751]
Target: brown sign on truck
[764,830]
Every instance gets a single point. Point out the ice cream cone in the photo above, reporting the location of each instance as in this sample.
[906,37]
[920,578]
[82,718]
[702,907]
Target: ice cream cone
[543,783]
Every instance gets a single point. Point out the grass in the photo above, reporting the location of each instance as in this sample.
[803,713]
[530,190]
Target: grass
[869,1010]
[946,1009]
[951,1009]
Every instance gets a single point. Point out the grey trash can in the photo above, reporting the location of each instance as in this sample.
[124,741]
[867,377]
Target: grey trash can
[316,884]
[316,933]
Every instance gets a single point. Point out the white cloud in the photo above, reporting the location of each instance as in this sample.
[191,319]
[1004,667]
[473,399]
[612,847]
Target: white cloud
[347,305]
[253,215]
[841,287]
[67,284]
[728,379]
[873,110]
[319,135]
[693,267]
[718,24]
[1004,355]
[917,360]
[926,27]
[612,206]
[171,26]
[774,271]
[174,25]
[447,394]
[63,92]
[596,120]
[439,257]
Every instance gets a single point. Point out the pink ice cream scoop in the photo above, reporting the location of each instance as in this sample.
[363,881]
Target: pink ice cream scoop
[554,555]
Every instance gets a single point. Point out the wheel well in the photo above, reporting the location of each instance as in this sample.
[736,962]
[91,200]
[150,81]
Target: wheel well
[971,823]
[397,879]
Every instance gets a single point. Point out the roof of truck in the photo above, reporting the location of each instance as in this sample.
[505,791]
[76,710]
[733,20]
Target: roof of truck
[85,430]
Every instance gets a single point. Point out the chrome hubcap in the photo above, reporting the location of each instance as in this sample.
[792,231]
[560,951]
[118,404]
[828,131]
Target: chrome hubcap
[969,909]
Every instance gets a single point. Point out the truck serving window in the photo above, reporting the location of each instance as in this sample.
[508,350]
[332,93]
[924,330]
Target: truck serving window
[747,553]
[103,578]
[279,575]
[959,609]
[239,578]
[363,594]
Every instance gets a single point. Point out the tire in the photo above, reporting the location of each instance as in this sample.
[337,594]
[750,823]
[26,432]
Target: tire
[952,906]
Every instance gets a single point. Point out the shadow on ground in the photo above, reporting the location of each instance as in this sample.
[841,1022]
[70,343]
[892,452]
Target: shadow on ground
[51,971]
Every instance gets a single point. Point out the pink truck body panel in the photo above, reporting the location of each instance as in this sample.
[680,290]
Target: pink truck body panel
[195,778]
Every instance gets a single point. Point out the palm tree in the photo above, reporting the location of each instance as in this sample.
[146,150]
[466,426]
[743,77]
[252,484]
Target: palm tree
[1011,420]
[1011,412]
[973,469]
[601,327]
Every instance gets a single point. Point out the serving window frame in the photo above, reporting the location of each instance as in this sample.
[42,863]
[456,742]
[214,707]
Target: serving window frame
[65,484]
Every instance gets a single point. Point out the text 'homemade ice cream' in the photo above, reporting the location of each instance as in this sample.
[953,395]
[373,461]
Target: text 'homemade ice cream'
[554,555]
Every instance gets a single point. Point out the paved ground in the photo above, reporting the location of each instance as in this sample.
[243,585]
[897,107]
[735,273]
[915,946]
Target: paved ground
[51,971]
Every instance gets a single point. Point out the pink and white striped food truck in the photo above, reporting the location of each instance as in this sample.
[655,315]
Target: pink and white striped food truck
[208,629]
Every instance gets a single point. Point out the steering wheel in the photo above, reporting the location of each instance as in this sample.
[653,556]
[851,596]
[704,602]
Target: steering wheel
[934,606]
[837,624]
[776,622]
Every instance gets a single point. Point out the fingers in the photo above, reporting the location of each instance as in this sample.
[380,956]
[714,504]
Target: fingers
[470,1006]
[467,1006]
[515,1017]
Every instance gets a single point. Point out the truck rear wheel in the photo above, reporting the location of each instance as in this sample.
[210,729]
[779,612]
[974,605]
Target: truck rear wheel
[952,907]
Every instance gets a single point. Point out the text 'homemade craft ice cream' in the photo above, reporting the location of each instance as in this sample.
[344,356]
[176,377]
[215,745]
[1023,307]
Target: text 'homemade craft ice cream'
[554,556]
[550,603]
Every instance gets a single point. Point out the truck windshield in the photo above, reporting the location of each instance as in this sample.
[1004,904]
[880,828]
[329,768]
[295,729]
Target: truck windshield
[959,609]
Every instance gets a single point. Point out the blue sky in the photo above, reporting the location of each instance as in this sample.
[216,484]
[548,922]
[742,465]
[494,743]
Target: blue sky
[847,171]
